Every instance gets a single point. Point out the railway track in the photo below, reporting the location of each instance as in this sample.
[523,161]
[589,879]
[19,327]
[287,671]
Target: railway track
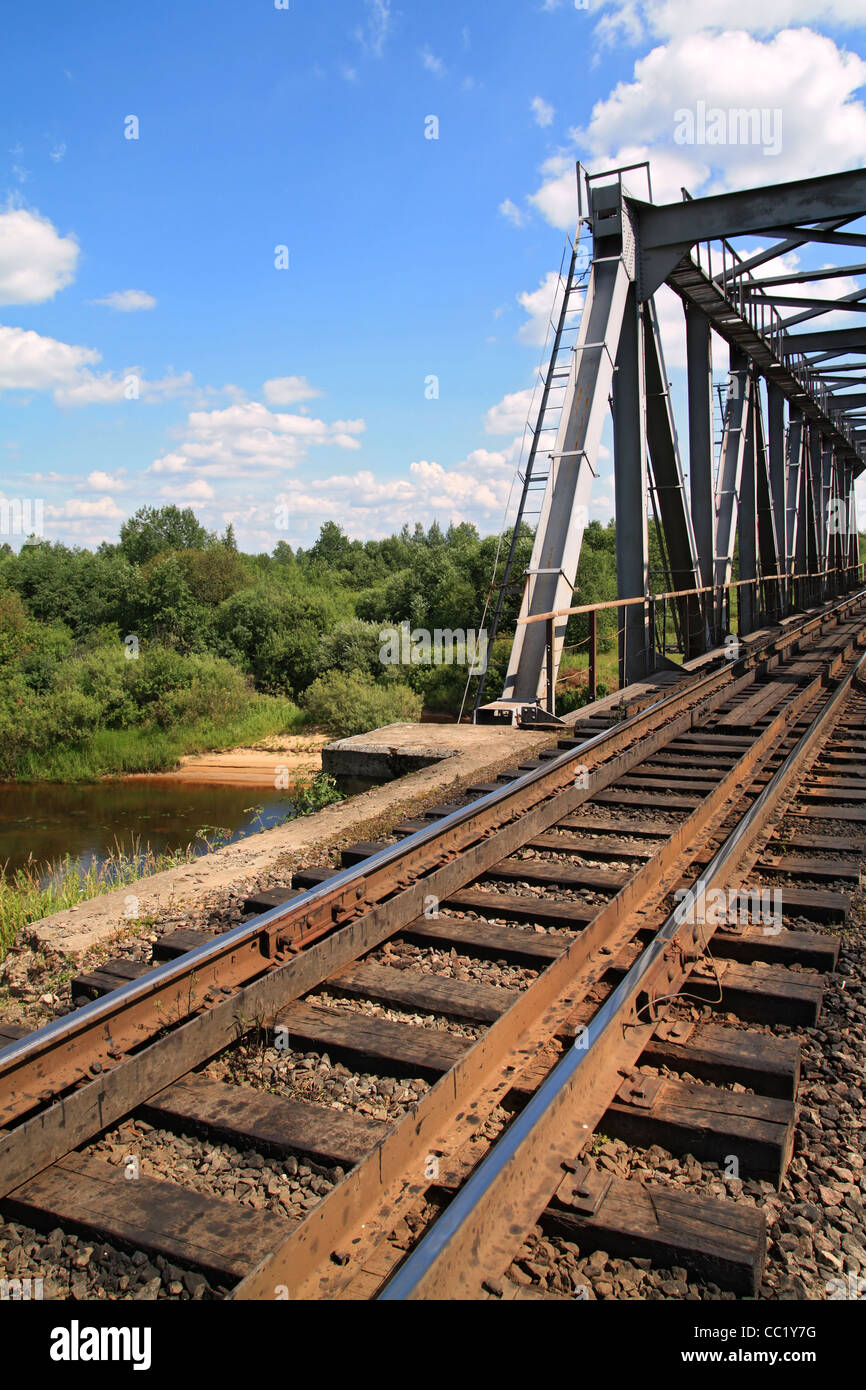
[575,951]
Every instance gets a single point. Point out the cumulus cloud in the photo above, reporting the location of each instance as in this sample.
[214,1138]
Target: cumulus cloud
[509,415]
[542,305]
[286,390]
[800,74]
[475,490]
[248,438]
[79,508]
[633,19]
[106,482]
[127,301]
[35,260]
[30,361]
[198,490]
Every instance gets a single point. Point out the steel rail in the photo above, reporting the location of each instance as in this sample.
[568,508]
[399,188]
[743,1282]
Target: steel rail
[421,1265]
[108,1036]
[341,886]
[380,1187]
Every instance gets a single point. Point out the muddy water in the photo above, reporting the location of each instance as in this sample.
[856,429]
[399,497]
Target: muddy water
[48,821]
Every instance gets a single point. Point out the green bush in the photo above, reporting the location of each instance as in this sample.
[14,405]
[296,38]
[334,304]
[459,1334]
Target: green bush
[353,647]
[353,704]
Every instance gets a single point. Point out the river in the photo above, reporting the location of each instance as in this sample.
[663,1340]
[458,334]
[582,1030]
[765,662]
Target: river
[49,820]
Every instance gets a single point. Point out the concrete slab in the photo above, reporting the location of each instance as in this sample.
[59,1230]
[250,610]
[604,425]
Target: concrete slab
[402,748]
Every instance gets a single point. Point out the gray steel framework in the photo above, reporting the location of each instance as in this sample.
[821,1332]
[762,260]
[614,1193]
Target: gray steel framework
[777,503]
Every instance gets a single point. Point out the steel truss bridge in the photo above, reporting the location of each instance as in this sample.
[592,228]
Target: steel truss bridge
[775,493]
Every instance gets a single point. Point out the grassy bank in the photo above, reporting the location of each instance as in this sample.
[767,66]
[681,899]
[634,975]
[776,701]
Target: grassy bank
[37,890]
[120,752]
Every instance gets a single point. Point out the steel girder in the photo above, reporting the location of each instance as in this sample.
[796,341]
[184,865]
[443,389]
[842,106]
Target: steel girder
[772,488]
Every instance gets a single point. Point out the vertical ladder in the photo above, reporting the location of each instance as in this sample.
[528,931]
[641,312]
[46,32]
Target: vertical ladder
[537,472]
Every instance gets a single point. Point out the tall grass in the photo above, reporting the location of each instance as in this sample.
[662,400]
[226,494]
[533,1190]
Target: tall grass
[36,890]
[120,752]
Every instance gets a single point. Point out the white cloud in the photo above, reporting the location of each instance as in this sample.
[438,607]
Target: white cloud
[800,74]
[374,33]
[286,390]
[476,490]
[251,440]
[432,63]
[509,415]
[667,18]
[541,305]
[542,111]
[512,212]
[78,508]
[107,388]
[35,260]
[57,153]
[127,301]
[198,490]
[29,361]
[106,482]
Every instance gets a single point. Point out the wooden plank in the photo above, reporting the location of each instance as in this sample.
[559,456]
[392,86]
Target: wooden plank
[364,849]
[683,778]
[544,873]
[588,846]
[634,798]
[634,830]
[110,976]
[839,783]
[522,909]
[430,993]
[800,866]
[487,939]
[220,1237]
[249,1118]
[711,1123]
[178,943]
[269,898]
[806,948]
[311,878]
[766,995]
[818,903]
[842,844]
[766,1064]
[11,1032]
[636,782]
[718,1241]
[746,713]
[422,1051]
[832,792]
[840,813]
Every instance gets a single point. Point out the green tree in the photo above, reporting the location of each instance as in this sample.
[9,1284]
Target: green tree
[155,530]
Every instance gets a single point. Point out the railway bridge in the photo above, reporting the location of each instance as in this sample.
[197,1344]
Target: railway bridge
[546,1037]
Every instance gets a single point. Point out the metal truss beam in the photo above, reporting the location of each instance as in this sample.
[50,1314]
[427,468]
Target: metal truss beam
[667,232]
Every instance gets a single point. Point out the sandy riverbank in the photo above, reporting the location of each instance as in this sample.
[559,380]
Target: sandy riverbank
[295,755]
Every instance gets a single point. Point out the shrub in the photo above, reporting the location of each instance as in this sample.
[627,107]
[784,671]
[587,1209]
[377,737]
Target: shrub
[353,647]
[353,704]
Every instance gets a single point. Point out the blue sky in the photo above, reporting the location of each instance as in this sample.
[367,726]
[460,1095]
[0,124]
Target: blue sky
[148,265]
